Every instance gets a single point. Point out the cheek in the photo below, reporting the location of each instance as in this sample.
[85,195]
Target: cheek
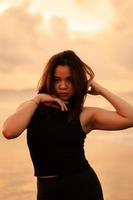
[72,89]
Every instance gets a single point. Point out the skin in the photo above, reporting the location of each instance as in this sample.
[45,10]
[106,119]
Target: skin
[63,83]
[91,117]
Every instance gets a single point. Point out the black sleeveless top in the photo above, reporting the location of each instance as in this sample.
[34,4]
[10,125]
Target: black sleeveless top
[56,146]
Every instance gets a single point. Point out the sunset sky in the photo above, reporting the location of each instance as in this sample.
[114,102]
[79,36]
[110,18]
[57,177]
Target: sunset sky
[99,31]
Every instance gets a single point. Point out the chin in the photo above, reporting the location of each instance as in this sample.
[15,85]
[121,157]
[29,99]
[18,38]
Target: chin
[64,99]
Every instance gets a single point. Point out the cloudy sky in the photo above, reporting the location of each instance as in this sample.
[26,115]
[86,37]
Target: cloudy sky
[99,31]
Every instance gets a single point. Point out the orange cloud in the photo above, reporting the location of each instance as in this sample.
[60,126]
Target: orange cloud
[89,3]
[26,45]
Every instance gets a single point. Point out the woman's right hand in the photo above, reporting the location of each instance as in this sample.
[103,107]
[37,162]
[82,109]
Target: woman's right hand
[16,123]
[50,100]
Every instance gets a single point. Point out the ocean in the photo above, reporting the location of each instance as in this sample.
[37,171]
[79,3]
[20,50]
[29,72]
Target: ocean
[110,153]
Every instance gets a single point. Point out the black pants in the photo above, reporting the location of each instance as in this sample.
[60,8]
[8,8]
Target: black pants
[81,186]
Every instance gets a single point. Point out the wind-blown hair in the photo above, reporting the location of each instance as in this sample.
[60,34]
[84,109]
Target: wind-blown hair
[81,75]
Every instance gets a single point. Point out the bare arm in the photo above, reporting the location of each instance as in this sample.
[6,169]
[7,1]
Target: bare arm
[102,119]
[18,121]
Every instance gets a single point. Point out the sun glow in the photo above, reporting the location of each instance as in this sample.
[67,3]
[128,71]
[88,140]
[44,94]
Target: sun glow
[91,21]
[79,18]
[93,25]
[4,6]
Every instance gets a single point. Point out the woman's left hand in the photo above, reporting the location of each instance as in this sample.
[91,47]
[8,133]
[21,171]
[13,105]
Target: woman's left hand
[94,88]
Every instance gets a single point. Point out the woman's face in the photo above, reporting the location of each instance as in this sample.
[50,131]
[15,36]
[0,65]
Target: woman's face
[63,85]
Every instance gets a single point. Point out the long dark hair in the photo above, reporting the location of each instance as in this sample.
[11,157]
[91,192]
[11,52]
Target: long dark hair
[81,75]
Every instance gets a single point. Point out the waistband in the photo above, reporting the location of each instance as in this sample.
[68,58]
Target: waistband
[58,176]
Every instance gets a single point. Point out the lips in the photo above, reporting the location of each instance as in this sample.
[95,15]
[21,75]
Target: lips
[63,94]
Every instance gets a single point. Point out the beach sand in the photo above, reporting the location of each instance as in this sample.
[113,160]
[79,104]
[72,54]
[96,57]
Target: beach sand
[112,161]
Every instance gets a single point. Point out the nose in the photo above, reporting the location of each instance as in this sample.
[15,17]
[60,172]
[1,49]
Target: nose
[63,85]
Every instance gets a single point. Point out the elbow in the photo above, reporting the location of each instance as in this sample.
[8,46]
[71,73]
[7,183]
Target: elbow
[8,134]
[129,124]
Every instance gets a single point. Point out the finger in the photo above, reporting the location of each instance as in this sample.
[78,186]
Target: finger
[65,107]
[61,104]
[62,107]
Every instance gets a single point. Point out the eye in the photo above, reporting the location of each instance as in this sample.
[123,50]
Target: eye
[55,79]
[70,79]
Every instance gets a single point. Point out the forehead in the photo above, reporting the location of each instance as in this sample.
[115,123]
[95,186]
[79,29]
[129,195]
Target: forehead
[62,71]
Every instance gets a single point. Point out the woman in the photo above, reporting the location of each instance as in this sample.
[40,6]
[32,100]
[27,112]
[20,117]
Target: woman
[57,124]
